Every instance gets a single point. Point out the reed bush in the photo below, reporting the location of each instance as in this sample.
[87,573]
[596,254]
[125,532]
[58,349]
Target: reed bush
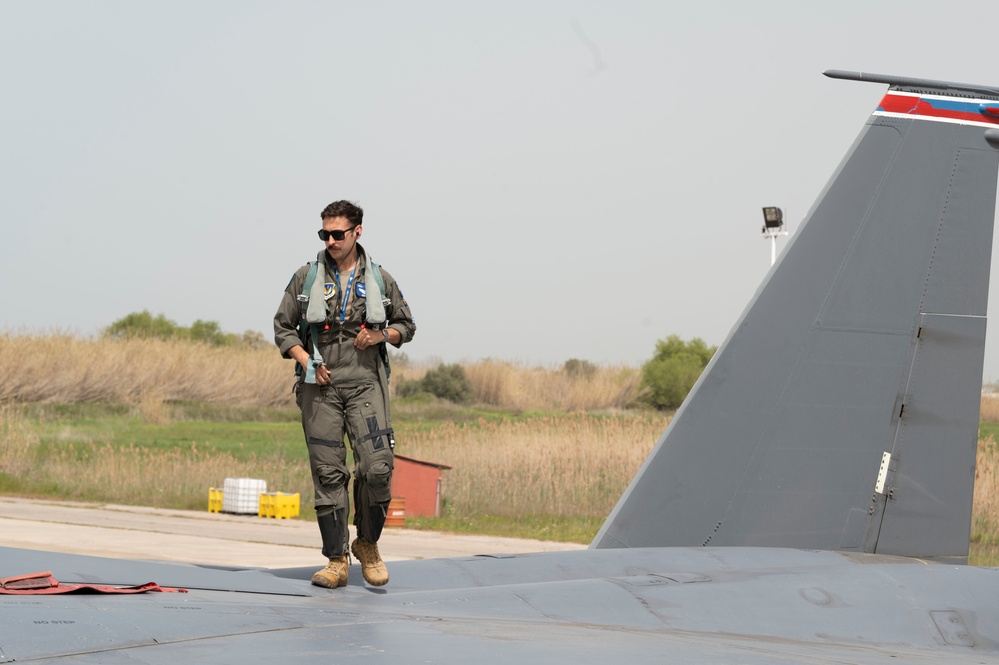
[64,369]
[18,442]
[990,407]
[60,368]
[523,388]
[985,506]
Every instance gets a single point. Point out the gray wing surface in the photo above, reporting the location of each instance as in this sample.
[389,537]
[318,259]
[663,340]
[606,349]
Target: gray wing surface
[866,339]
[835,427]
[704,605]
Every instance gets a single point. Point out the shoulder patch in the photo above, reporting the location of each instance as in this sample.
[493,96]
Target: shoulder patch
[329,290]
[359,289]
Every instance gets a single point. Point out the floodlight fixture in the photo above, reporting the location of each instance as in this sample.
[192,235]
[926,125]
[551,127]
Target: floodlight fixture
[773,226]
[773,218]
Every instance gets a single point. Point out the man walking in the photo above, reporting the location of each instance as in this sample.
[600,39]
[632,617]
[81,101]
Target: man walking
[335,319]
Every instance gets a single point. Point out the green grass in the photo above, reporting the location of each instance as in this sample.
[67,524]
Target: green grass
[242,439]
[243,433]
[89,412]
[239,431]
[223,428]
[988,428]
[424,412]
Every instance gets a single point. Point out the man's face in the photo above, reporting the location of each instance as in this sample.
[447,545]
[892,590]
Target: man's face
[340,249]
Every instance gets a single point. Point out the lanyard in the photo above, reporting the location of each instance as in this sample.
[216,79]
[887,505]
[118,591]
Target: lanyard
[346,293]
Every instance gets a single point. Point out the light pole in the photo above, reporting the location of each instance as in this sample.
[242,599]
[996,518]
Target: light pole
[773,226]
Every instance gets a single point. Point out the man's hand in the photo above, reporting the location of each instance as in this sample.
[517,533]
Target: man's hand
[367,338]
[303,358]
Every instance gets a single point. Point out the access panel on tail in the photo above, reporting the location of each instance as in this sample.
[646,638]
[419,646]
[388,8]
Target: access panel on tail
[841,412]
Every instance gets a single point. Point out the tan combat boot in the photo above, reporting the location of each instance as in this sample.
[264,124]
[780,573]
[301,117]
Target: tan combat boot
[372,567]
[334,574]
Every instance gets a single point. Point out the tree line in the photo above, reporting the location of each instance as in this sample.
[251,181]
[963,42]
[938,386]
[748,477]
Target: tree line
[145,325]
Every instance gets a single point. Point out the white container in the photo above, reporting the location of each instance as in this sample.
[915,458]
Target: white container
[242,495]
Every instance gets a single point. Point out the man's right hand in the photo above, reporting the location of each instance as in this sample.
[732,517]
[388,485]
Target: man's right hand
[303,358]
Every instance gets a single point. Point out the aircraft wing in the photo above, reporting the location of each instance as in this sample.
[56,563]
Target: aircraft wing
[705,605]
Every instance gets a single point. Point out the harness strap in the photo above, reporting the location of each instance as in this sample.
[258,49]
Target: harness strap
[324,442]
[314,313]
[376,434]
[373,284]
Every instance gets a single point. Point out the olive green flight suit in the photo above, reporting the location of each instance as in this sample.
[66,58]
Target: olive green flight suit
[355,403]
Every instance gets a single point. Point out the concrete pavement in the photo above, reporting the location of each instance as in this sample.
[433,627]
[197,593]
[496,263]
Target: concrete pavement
[137,532]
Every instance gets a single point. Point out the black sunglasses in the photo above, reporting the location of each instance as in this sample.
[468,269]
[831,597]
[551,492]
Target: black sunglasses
[337,234]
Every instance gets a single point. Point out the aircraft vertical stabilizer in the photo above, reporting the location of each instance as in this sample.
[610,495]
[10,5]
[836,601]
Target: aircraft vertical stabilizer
[841,412]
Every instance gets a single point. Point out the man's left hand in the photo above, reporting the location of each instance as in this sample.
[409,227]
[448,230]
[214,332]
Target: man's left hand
[367,338]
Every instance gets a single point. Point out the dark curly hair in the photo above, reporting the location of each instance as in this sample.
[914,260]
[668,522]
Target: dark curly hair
[352,212]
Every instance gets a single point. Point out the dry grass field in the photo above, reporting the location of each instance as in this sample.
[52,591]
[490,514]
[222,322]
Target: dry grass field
[89,469]
[573,457]
[566,448]
[985,509]
[570,465]
[63,369]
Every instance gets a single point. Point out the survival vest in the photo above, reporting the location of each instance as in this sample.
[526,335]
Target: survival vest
[305,327]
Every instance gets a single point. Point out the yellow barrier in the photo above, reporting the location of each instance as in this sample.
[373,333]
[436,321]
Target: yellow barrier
[214,500]
[279,505]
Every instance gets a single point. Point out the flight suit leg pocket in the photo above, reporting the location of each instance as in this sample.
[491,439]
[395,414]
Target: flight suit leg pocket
[374,457]
[330,476]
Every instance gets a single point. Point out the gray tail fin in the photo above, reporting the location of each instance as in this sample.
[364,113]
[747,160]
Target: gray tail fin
[841,412]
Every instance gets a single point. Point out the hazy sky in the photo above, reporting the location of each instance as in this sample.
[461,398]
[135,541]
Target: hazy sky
[546,180]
